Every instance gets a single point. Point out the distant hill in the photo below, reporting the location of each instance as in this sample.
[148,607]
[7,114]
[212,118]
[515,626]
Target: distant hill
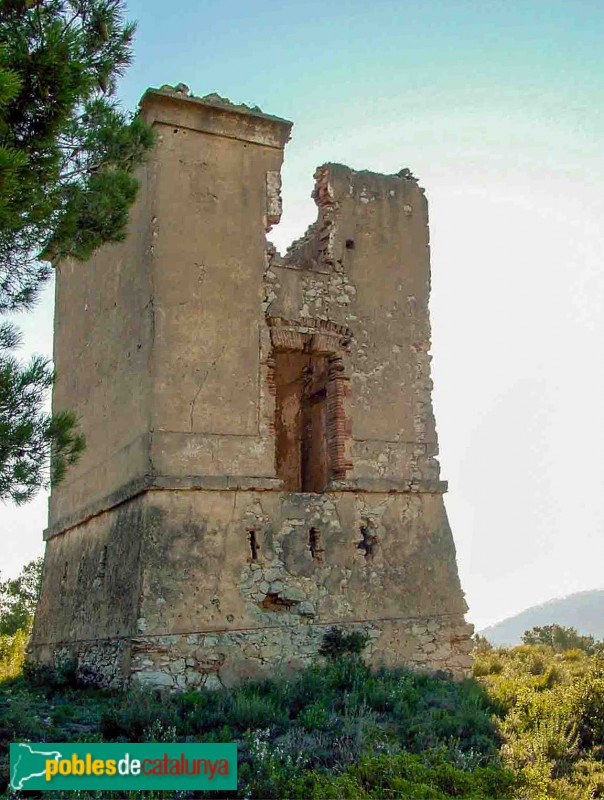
[582,610]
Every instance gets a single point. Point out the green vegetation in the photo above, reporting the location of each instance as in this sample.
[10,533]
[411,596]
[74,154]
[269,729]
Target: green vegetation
[582,610]
[559,638]
[67,155]
[529,726]
[335,730]
[551,718]
[18,598]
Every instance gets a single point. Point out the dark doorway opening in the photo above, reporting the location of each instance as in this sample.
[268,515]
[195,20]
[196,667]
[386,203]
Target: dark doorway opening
[302,456]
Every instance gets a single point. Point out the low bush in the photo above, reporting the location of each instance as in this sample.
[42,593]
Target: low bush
[413,776]
[530,726]
[553,722]
[12,653]
[292,734]
[338,642]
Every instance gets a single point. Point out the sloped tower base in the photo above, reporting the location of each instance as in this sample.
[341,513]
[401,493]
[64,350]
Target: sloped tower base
[185,604]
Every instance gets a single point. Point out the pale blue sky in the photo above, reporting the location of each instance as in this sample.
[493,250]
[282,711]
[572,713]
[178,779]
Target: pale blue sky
[497,107]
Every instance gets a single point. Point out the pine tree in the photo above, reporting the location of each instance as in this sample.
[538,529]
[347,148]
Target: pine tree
[560,637]
[67,156]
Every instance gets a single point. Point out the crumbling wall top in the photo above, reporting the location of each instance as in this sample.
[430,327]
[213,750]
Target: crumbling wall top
[339,193]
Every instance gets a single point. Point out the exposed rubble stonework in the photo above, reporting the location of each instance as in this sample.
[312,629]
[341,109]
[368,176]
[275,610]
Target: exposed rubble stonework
[261,460]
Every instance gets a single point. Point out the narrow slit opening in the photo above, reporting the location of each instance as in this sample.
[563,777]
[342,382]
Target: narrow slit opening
[369,542]
[315,544]
[253,543]
[102,563]
[64,576]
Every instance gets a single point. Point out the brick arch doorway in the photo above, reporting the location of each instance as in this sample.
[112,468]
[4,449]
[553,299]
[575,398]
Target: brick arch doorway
[312,425]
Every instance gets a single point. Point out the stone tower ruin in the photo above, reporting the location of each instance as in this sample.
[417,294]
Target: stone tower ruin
[261,449]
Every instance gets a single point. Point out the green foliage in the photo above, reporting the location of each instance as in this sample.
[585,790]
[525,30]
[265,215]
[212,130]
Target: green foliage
[553,718]
[337,643]
[322,722]
[44,713]
[481,644]
[531,728]
[18,599]
[413,776]
[489,664]
[559,637]
[63,674]
[67,155]
[12,653]
[406,173]
[27,433]
[64,142]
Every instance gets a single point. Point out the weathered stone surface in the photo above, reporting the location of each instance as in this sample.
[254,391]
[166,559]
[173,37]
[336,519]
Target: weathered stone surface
[261,459]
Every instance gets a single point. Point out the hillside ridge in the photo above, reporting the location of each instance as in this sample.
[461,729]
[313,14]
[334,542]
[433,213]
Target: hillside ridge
[581,610]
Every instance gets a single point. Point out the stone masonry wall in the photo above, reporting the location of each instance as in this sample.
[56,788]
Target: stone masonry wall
[364,266]
[211,608]
[229,609]
[214,660]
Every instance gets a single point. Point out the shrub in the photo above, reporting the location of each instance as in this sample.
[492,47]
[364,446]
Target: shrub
[12,653]
[414,776]
[531,727]
[481,644]
[537,664]
[250,710]
[487,664]
[63,673]
[559,637]
[314,717]
[138,711]
[575,654]
[338,643]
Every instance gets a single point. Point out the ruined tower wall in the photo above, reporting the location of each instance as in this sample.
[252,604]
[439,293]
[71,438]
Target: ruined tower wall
[368,269]
[102,348]
[268,467]
[212,614]
[89,601]
[208,262]
[156,338]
